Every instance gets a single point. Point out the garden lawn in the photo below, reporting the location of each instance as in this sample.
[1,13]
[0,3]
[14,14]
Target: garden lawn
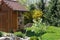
[51,36]
[53,29]
[52,33]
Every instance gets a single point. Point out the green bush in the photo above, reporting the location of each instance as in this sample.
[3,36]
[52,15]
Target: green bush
[34,31]
[53,29]
[34,38]
[1,34]
[51,36]
[19,34]
[37,29]
[30,33]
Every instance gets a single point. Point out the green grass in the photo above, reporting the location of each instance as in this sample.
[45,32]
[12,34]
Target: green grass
[52,29]
[51,36]
[19,34]
[52,33]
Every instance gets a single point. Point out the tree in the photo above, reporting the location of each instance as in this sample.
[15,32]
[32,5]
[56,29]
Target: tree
[32,7]
[52,15]
[41,5]
[28,17]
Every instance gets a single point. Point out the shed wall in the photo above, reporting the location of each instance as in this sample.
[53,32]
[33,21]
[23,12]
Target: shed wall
[8,19]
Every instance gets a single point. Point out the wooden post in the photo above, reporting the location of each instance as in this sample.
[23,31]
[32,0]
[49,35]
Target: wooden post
[17,19]
[22,19]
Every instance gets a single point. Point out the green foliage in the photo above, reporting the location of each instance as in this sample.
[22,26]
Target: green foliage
[52,33]
[34,38]
[11,31]
[51,36]
[29,33]
[1,34]
[37,29]
[32,7]
[34,31]
[22,1]
[19,34]
[41,5]
[28,17]
[52,14]
[53,29]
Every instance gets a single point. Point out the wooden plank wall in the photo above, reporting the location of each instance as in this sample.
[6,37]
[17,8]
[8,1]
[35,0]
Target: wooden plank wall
[8,19]
[14,21]
[4,18]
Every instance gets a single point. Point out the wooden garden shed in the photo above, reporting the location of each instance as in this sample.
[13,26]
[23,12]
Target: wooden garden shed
[11,17]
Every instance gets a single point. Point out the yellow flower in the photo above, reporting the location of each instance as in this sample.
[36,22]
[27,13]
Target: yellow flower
[37,14]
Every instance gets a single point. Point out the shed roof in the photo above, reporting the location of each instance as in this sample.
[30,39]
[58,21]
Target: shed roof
[15,5]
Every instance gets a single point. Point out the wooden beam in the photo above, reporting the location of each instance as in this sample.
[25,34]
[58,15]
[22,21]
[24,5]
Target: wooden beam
[17,19]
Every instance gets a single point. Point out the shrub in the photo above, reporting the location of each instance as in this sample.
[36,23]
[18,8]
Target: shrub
[30,33]
[27,17]
[19,34]
[1,34]
[51,36]
[37,28]
[34,31]
[37,14]
[34,38]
